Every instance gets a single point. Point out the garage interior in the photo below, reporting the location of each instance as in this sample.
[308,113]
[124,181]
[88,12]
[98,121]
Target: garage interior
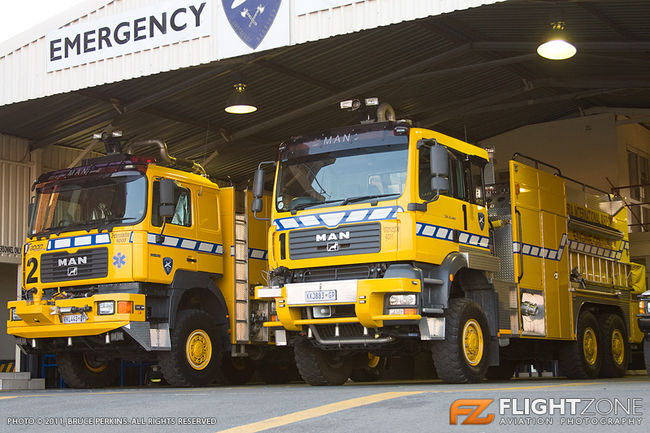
[472,74]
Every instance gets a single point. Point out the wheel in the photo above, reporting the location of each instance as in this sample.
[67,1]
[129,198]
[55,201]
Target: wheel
[237,370]
[462,356]
[615,346]
[372,371]
[320,367]
[504,371]
[87,370]
[195,355]
[582,359]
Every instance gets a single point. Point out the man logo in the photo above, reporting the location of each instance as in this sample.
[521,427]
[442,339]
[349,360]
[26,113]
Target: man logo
[67,261]
[332,237]
[72,272]
[333,246]
[472,408]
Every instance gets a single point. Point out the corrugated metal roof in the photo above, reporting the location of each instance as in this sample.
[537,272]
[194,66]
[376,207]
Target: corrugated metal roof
[468,73]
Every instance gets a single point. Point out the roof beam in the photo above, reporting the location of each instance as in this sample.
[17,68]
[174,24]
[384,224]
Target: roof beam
[531,46]
[600,15]
[324,102]
[133,106]
[297,75]
[465,68]
[525,103]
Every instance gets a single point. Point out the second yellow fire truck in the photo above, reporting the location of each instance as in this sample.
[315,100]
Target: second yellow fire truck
[387,238]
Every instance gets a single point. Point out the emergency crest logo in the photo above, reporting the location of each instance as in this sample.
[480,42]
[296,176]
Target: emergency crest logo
[251,19]
[168,264]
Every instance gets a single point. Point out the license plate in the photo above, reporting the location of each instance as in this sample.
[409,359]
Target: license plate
[75,318]
[320,295]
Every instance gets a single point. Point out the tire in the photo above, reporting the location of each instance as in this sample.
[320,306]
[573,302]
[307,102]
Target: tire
[195,355]
[237,370]
[462,357]
[504,371]
[582,359]
[372,372]
[614,342]
[319,367]
[85,370]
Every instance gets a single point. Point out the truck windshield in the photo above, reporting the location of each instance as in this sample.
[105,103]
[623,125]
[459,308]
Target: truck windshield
[342,177]
[90,202]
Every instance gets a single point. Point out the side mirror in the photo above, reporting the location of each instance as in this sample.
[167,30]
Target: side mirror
[439,158]
[31,210]
[167,206]
[258,190]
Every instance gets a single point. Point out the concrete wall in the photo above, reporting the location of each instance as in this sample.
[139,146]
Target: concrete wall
[584,148]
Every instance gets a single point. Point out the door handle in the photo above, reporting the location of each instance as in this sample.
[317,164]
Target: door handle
[191,259]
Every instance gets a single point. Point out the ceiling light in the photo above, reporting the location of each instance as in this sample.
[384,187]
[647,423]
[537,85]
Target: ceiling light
[556,46]
[240,102]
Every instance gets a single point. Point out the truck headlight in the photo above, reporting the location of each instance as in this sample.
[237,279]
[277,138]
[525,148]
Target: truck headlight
[14,317]
[644,306]
[105,308]
[409,299]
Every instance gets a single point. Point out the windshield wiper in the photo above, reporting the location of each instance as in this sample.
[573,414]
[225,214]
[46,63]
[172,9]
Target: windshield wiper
[365,197]
[104,222]
[302,206]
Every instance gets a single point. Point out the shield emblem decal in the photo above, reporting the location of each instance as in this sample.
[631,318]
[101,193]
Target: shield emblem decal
[481,220]
[251,19]
[168,264]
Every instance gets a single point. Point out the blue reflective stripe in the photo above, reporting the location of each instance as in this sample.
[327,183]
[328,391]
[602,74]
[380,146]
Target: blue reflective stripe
[256,253]
[447,234]
[541,252]
[185,244]
[79,241]
[333,219]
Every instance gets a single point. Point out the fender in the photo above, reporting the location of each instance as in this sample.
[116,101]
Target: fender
[186,280]
[437,294]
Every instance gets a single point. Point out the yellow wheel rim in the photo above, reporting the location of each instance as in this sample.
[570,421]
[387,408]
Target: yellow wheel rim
[373,360]
[618,347]
[590,346]
[472,342]
[198,349]
[93,365]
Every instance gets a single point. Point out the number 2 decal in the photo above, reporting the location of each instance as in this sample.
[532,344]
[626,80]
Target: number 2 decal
[31,279]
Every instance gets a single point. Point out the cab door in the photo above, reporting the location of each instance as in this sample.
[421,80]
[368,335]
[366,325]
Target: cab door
[173,243]
[457,217]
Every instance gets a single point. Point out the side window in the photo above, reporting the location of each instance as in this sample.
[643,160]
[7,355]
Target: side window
[477,182]
[456,176]
[183,209]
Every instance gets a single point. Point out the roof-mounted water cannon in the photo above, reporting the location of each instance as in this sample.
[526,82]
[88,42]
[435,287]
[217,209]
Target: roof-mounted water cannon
[112,141]
[184,164]
[369,110]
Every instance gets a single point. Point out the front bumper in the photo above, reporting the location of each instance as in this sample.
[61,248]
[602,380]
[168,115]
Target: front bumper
[44,320]
[367,296]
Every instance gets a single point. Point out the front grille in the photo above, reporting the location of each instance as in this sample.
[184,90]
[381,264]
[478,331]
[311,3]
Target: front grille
[344,240]
[84,264]
[353,272]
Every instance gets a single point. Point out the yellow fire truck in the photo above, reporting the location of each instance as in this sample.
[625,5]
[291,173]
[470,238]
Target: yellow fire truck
[137,259]
[388,238]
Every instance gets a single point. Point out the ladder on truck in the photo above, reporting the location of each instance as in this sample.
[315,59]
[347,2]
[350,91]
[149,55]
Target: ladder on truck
[242,316]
